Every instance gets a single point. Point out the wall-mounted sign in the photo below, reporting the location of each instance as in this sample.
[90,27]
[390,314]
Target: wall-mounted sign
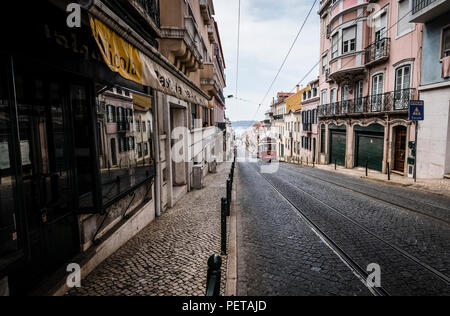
[416,110]
[125,59]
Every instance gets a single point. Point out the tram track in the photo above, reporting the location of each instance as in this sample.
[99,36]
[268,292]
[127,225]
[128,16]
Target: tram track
[347,258]
[389,202]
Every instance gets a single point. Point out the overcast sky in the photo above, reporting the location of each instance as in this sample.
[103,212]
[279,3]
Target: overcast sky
[268,28]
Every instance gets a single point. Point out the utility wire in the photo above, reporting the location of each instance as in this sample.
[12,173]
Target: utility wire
[287,55]
[238,51]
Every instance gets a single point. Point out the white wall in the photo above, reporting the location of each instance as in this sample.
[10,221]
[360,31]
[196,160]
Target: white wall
[433,159]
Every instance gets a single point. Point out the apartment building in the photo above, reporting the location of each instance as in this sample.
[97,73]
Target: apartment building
[370,69]
[292,135]
[190,41]
[278,109]
[86,130]
[309,131]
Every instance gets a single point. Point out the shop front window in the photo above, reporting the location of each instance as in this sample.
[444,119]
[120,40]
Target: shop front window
[130,163]
[8,216]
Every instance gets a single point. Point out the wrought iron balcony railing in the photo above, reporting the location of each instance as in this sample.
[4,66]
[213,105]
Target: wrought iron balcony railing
[380,103]
[151,7]
[377,51]
[420,4]
[123,127]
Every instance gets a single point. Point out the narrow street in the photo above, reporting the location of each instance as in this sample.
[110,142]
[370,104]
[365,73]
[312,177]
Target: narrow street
[303,231]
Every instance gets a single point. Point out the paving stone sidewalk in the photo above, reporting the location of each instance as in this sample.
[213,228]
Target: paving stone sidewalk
[436,186]
[169,257]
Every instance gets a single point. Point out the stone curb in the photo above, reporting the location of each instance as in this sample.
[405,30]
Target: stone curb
[231,280]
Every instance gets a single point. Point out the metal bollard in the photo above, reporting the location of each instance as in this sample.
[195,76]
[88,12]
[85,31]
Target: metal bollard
[389,171]
[224,227]
[213,278]
[335,165]
[229,191]
[367,168]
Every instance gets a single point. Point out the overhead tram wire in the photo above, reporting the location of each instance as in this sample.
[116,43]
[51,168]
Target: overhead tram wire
[287,56]
[238,50]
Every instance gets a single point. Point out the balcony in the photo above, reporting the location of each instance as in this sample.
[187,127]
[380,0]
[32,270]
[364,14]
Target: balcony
[279,117]
[181,46]
[389,102]
[378,52]
[151,9]
[426,10]
[123,127]
[205,11]
[212,34]
[208,80]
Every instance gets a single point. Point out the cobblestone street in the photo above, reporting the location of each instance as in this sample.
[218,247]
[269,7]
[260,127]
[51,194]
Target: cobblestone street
[169,257]
[303,231]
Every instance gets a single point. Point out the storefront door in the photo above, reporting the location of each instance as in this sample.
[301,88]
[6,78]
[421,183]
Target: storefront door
[400,149]
[47,112]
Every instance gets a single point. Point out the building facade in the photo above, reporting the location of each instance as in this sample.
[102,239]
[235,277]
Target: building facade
[433,152]
[278,108]
[370,69]
[86,132]
[309,132]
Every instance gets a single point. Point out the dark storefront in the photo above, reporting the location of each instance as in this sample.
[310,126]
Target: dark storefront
[370,146]
[50,171]
[338,144]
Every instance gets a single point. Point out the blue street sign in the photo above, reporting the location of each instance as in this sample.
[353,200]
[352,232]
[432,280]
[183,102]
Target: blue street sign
[416,110]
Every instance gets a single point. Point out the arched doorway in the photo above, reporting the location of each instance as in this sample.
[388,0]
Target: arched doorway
[400,133]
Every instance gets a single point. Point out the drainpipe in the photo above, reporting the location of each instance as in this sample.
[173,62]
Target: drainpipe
[156,141]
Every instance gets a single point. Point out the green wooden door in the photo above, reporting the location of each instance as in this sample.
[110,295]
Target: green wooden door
[370,149]
[338,145]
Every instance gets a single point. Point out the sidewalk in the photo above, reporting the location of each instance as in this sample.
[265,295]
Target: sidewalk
[436,186]
[168,257]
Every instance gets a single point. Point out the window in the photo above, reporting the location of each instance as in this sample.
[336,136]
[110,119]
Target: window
[205,117]
[358,96]
[349,40]
[131,144]
[146,149]
[335,45]
[122,145]
[403,78]
[402,84]
[139,150]
[138,125]
[403,25]
[111,114]
[194,116]
[324,97]
[446,42]
[324,64]
[120,115]
[322,139]
[377,90]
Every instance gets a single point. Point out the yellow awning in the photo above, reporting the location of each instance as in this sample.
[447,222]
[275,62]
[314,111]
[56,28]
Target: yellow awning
[124,58]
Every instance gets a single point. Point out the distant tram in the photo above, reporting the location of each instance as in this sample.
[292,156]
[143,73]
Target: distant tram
[267,149]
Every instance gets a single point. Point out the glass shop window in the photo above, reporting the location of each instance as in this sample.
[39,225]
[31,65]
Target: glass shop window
[8,220]
[132,161]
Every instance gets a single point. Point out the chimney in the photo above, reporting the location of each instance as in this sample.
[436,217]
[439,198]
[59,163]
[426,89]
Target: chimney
[298,88]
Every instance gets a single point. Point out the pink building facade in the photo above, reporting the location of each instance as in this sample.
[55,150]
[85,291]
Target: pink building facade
[370,69]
